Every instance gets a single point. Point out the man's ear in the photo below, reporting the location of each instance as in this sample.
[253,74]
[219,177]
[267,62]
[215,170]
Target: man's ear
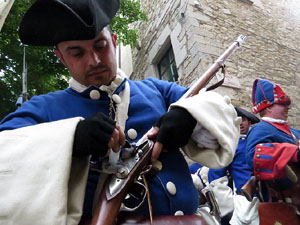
[269,109]
[59,55]
[114,39]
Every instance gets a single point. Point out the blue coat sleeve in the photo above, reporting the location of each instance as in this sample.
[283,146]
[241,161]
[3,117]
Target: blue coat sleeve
[295,132]
[239,170]
[32,112]
[170,91]
[264,132]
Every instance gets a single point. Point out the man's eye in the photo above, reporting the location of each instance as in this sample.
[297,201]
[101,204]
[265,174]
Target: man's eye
[101,44]
[77,54]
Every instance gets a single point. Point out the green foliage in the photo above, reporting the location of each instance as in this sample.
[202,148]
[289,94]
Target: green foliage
[129,13]
[45,72]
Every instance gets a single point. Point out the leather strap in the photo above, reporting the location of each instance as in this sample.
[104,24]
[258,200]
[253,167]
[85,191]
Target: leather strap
[148,198]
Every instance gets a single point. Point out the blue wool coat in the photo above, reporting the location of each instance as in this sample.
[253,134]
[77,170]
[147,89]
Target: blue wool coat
[149,99]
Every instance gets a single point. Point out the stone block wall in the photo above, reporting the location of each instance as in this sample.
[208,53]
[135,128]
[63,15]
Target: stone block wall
[200,30]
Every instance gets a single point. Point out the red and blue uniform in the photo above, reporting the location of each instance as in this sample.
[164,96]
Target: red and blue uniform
[270,146]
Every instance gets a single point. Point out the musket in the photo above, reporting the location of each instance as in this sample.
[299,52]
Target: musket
[24,96]
[24,78]
[117,185]
[214,68]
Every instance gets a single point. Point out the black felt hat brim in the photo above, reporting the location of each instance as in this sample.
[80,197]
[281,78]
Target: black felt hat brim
[48,22]
[244,113]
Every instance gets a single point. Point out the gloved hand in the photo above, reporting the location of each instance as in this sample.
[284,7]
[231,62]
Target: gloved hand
[93,135]
[175,128]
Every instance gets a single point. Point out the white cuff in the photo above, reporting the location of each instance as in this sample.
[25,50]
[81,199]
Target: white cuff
[216,114]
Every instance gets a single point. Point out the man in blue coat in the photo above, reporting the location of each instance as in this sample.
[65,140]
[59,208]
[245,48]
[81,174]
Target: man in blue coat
[104,108]
[272,143]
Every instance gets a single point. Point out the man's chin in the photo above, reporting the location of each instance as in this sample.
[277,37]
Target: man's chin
[99,82]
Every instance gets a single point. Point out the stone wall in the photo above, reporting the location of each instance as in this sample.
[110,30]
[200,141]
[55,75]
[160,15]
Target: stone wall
[200,31]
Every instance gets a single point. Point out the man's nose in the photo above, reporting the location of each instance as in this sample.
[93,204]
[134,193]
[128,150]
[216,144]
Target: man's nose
[94,59]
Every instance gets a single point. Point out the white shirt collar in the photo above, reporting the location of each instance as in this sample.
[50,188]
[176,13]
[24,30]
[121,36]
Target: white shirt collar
[75,85]
[269,119]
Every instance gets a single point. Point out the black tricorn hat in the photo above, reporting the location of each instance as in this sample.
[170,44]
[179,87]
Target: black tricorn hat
[242,112]
[48,22]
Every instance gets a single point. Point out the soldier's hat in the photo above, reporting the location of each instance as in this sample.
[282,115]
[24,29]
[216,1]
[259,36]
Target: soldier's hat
[244,113]
[48,22]
[266,93]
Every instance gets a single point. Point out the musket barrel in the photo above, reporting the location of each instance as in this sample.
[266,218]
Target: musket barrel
[207,76]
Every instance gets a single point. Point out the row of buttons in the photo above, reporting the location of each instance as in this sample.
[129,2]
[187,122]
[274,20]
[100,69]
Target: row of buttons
[95,95]
[257,163]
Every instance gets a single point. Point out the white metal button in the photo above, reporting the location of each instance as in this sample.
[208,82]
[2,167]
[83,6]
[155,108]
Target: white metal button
[132,134]
[95,94]
[179,213]
[171,188]
[116,98]
[157,165]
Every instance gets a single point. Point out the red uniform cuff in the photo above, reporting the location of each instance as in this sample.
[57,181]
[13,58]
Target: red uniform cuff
[270,160]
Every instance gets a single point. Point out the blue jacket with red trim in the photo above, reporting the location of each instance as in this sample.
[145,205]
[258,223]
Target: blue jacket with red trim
[270,146]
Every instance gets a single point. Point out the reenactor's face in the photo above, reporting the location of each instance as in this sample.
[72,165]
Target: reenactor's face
[90,62]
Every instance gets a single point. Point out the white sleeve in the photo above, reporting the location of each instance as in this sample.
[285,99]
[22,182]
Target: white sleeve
[204,138]
[40,183]
[217,115]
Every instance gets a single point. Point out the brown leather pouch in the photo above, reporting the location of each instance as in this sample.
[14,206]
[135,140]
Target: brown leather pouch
[271,213]
[283,213]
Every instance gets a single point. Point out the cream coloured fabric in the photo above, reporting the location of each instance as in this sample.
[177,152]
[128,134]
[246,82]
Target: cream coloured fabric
[245,212]
[204,138]
[5,6]
[217,115]
[204,211]
[223,195]
[40,183]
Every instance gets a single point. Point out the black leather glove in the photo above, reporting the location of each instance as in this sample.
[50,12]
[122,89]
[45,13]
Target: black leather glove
[92,135]
[175,128]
